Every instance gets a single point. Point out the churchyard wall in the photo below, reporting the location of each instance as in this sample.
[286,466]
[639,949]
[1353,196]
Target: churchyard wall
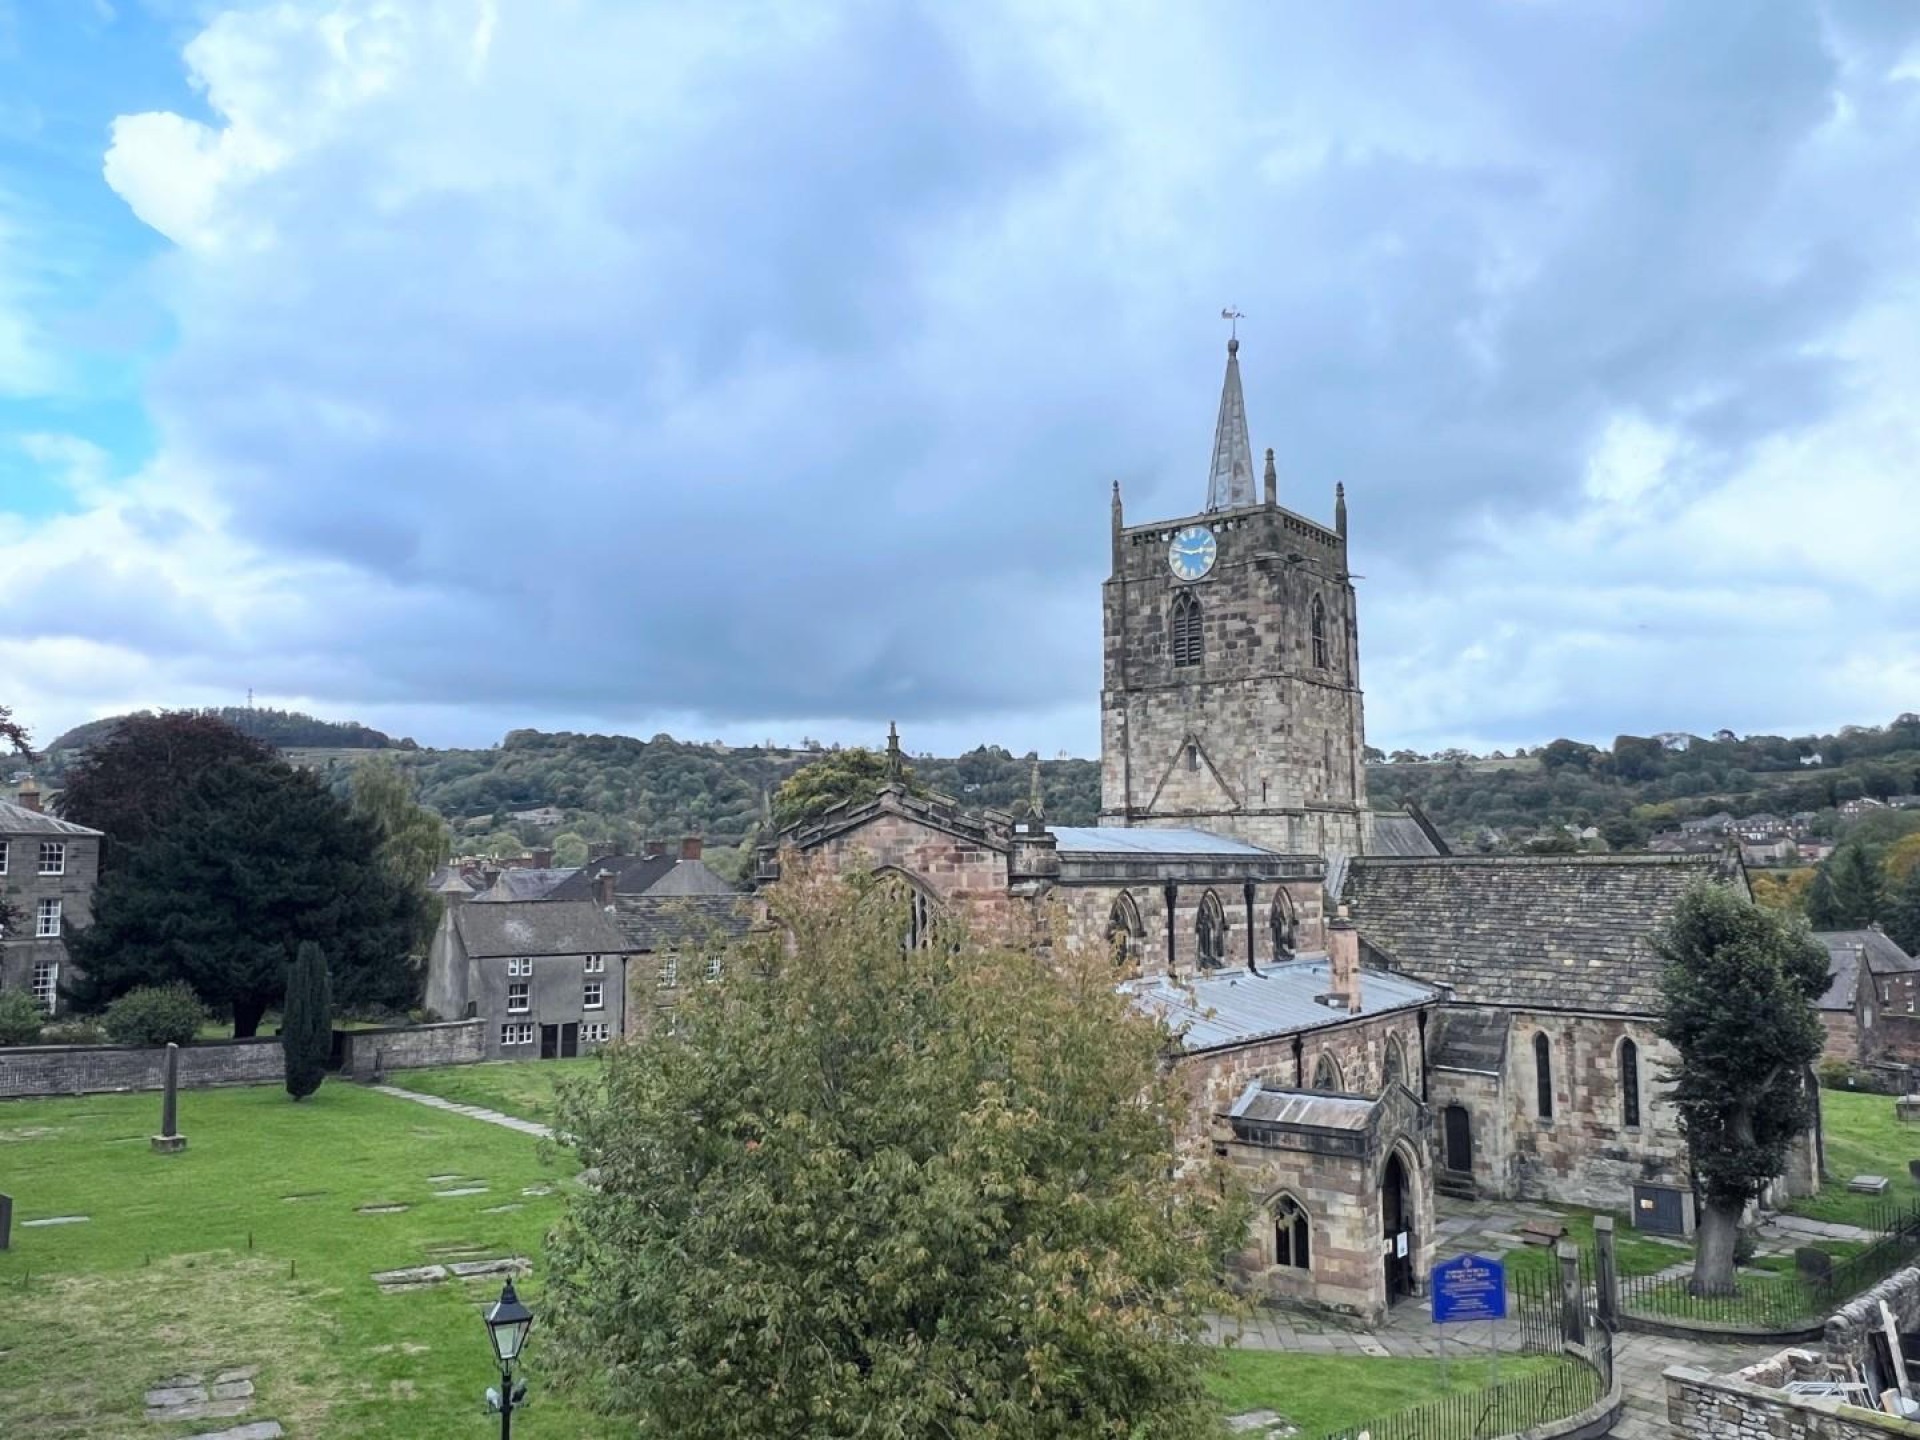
[1726,1407]
[97,1069]
[412,1047]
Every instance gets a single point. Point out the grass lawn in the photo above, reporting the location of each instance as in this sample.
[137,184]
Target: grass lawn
[1862,1138]
[524,1088]
[1636,1252]
[1322,1393]
[248,1249]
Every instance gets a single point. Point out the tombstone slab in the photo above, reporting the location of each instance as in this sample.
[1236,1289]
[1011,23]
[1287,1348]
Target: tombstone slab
[1868,1184]
[511,1265]
[416,1275]
[252,1430]
[231,1389]
[55,1220]
[458,1191]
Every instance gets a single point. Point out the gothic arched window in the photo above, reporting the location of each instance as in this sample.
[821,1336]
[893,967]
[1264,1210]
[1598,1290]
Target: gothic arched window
[1543,1077]
[1396,1063]
[918,905]
[1123,926]
[1319,634]
[1326,1074]
[1211,928]
[1280,922]
[1629,1085]
[1292,1236]
[1186,629]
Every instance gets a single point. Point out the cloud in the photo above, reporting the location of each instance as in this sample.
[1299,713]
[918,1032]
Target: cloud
[767,368]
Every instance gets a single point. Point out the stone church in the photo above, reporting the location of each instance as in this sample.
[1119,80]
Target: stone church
[1362,1019]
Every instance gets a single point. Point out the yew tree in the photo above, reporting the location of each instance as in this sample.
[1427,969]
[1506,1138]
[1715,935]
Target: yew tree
[1738,996]
[874,1189]
[130,785]
[256,858]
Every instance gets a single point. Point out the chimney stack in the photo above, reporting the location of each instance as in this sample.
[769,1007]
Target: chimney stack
[543,859]
[29,796]
[655,849]
[690,847]
[598,850]
[603,889]
[1343,961]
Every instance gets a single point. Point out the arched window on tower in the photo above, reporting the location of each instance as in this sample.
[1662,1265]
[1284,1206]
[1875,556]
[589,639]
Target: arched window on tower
[1292,1236]
[1280,922]
[1211,928]
[1543,1077]
[1319,633]
[1629,1085]
[1123,927]
[1186,629]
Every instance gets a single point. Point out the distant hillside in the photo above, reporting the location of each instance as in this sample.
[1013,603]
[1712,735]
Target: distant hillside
[283,728]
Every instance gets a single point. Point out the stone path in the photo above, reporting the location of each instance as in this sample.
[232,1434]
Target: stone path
[472,1112]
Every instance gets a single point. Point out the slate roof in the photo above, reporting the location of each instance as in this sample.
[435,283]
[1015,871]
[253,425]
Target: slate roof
[1234,1007]
[1405,832]
[19,820]
[1846,951]
[667,922]
[1319,1109]
[1471,1040]
[1147,840]
[644,875]
[522,883]
[537,927]
[1540,932]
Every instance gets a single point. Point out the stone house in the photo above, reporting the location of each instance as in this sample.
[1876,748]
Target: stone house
[48,867]
[676,942]
[549,976]
[1870,1009]
[1768,849]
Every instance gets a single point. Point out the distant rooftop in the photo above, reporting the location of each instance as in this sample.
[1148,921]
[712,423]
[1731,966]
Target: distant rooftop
[19,820]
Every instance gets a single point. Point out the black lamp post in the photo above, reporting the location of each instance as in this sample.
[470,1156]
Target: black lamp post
[507,1324]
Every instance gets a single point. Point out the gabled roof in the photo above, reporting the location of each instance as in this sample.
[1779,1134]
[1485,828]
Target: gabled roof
[671,922]
[19,820]
[1470,1040]
[1847,951]
[1539,932]
[1235,1007]
[644,875]
[537,927]
[522,883]
[1407,832]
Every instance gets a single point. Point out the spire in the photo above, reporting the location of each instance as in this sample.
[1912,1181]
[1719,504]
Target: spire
[1119,524]
[1231,482]
[1272,479]
[896,765]
[1340,509]
[1034,807]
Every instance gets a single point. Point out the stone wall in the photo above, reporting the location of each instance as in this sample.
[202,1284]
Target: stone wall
[412,1047]
[25,887]
[1084,912]
[96,1069]
[1848,1328]
[1358,1049]
[959,874]
[1707,1407]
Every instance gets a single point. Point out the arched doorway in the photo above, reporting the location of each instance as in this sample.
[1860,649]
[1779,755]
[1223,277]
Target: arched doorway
[1396,1228]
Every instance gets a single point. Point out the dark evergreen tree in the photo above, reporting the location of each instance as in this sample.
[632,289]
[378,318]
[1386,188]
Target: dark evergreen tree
[1903,914]
[1738,998]
[1859,894]
[257,858]
[131,784]
[1823,906]
[306,1028]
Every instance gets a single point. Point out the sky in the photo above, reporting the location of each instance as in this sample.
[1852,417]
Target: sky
[756,371]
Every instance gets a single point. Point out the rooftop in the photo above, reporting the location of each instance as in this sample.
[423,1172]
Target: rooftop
[19,820]
[1847,950]
[1127,840]
[537,927]
[1234,1007]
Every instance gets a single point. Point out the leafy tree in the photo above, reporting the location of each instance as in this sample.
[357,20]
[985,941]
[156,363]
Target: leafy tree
[13,734]
[1783,889]
[413,840]
[1901,859]
[1738,995]
[1903,914]
[306,1029]
[169,1014]
[569,849]
[255,859]
[851,775]
[134,781]
[20,1018]
[884,1191]
[1858,892]
[1623,832]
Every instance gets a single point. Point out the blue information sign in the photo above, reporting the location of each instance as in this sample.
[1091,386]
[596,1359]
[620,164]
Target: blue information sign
[1469,1288]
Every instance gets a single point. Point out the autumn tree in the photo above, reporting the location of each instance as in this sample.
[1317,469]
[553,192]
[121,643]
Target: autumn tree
[132,783]
[1738,994]
[254,859]
[873,1189]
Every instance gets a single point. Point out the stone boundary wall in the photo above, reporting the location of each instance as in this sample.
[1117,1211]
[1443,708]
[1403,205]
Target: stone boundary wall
[1709,1407]
[411,1047]
[100,1069]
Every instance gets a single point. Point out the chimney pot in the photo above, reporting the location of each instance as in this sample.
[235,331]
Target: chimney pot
[543,859]
[690,847]
[1343,960]
[603,889]
[598,850]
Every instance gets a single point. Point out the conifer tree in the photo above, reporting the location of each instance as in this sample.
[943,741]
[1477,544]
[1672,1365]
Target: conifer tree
[1859,893]
[306,1028]
[1903,914]
[1823,906]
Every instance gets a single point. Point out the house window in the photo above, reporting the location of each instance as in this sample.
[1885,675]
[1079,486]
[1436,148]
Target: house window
[3,857]
[595,965]
[1212,931]
[53,857]
[715,967]
[519,997]
[596,1032]
[1186,629]
[46,983]
[1629,1084]
[46,918]
[518,1032]
[1292,1236]
[1543,1077]
[669,971]
[665,1022]
[1319,623]
[591,996]
[519,965]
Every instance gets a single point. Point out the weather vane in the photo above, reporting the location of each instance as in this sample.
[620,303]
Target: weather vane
[1233,315]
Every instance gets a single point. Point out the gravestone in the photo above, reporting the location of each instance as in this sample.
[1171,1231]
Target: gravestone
[6,1221]
[1913,1169]
[1813,1264]
[170,1141]
[1868,1184]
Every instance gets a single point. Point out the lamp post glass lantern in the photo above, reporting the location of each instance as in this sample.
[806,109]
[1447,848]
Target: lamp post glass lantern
[507,1322]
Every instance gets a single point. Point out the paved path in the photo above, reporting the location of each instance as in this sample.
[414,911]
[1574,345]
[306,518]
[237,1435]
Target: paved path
[472,1112]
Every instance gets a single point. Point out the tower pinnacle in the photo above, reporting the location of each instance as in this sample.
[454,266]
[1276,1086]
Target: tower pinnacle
[1231,481]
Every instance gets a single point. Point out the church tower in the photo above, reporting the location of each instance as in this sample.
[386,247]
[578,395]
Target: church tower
[1231,699]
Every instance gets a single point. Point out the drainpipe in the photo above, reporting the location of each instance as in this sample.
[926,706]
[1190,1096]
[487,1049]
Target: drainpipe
[1421,1020]
[1247,889]
[1172,892]
[1298,1046]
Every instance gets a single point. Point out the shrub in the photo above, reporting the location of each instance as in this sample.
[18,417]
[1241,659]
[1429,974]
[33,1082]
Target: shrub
[20,1018]
[156,1015]
[306,1033]
[72,1032]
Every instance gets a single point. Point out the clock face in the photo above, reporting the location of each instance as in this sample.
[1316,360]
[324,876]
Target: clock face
[1192,553]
